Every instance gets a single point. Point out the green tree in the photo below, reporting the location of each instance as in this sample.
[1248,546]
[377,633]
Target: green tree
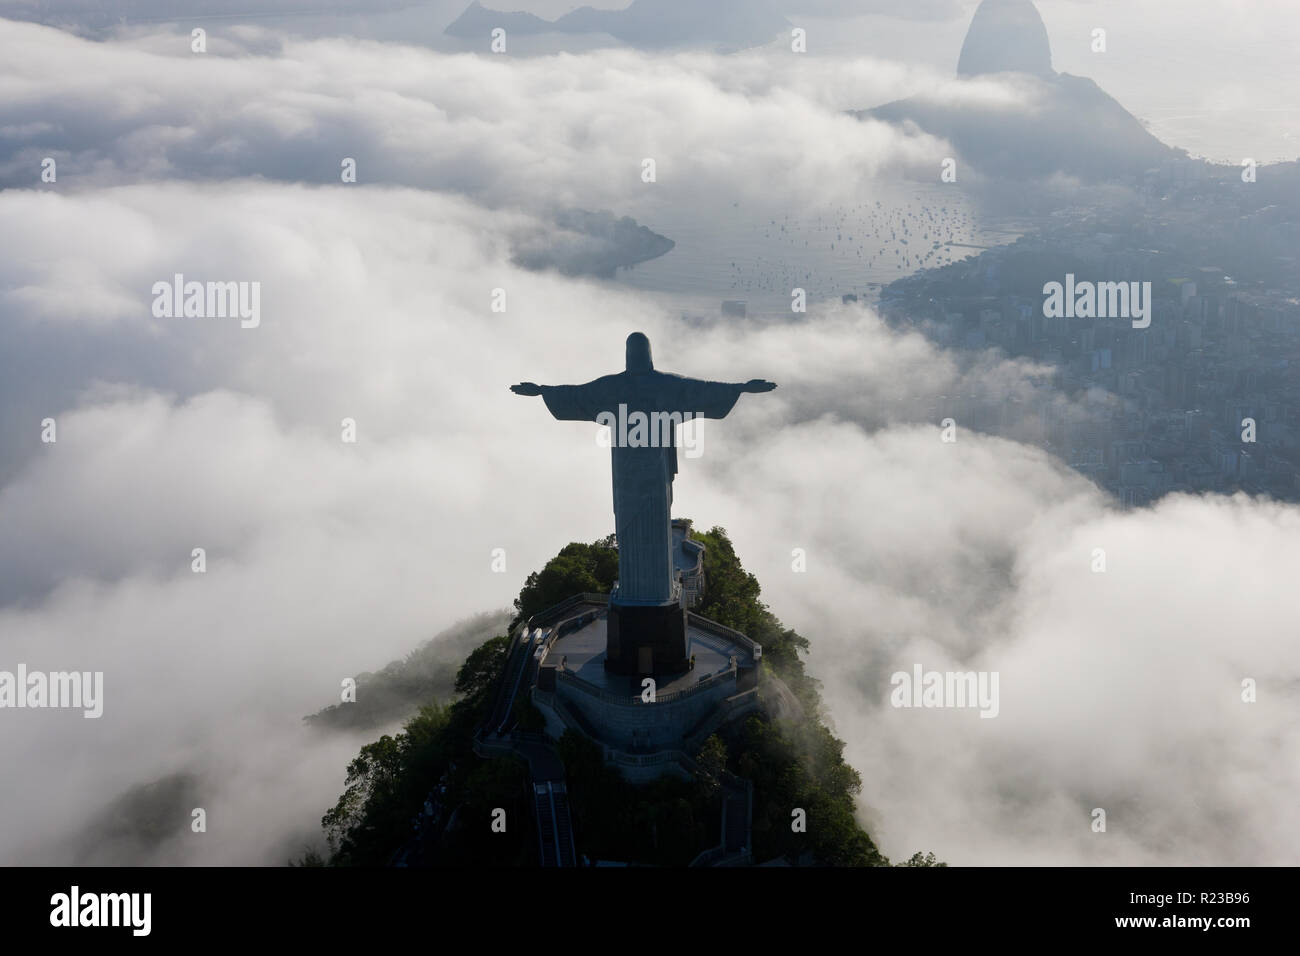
[482,669]
[577,568]
[367,803]
[916,859]
[667,821]
[802,768]
[712,759]
[731,597]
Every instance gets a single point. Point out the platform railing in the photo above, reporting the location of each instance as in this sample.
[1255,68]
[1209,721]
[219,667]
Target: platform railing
[573,680]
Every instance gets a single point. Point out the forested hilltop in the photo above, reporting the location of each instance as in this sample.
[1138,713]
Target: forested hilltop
[430,768]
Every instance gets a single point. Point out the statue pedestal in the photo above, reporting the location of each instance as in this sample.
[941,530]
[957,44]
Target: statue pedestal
[646,640]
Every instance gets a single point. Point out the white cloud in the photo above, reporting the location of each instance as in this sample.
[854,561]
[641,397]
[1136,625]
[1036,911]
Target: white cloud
[1119,690]
[571,130]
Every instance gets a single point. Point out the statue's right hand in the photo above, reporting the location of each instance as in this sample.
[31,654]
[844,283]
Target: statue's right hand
[526,388]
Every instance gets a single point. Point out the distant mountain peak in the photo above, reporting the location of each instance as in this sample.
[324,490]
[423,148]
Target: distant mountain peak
[1006,36]
[1060,123]
[643,23]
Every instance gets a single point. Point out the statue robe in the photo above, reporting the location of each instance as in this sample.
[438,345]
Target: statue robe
[643,477]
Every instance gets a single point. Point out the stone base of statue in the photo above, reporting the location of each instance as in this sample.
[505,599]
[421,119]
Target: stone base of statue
[574,689]
[646,640]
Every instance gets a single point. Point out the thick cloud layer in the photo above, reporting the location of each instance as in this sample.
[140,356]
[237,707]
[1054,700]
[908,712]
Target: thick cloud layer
[1119,690]
[568,130]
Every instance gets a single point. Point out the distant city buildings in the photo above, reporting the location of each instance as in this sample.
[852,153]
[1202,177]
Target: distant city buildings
[1205,399]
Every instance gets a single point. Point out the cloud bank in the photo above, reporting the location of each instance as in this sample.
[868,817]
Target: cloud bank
[1120,690]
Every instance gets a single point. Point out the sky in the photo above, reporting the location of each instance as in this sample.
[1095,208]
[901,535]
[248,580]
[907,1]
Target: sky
[1119,690]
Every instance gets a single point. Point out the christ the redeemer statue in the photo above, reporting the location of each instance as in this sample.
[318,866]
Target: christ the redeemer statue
[644,464]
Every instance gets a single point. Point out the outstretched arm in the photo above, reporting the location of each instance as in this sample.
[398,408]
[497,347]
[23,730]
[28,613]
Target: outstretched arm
[570,403]
[711,399]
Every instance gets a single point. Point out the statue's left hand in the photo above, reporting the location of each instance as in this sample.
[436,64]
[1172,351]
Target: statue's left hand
[759,385]
[526,388]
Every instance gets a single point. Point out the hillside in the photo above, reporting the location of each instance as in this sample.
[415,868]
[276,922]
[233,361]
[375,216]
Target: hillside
[428,779]
[1066,124]
[643,23]
[398,690]
[1055,123]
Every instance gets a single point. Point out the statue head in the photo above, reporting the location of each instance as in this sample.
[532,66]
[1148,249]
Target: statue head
[638,354]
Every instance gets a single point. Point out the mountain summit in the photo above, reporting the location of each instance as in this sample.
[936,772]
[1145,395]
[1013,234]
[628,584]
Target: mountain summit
[647,24]
[1006,36]
[1056,123]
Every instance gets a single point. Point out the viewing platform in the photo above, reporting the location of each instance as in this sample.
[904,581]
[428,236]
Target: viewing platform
[642,727]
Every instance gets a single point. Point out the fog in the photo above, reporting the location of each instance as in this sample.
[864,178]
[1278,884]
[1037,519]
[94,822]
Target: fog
[1120,690]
